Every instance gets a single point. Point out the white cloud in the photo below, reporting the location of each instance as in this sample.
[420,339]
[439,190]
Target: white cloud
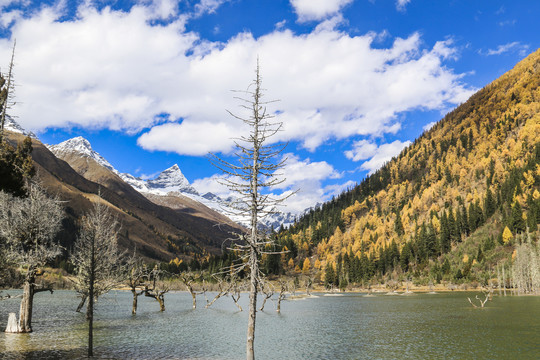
[362,150]
[164,9]
[402,4]
[112,69]
[296,171]
[212,184]
[303,176]
[208,6]
[377,155]
[515,46]
[6,3]
[308,10]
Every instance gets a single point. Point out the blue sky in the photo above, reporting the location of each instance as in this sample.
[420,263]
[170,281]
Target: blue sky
[148,82]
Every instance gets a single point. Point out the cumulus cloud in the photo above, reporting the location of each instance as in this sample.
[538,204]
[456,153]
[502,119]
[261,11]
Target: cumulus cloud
[515,46]
[296,171]
[362,150]
[304,179]
[377,155]
[309,10]
[113,69]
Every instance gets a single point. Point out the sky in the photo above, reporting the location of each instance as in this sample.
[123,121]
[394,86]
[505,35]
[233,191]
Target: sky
[149,83]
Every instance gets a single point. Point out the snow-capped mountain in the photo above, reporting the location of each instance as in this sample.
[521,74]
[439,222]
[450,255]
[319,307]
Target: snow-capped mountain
[11,125]
[81,146]
[172,179]
[169,182]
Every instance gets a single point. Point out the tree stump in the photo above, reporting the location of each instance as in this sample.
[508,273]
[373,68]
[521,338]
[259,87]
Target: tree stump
[13,324]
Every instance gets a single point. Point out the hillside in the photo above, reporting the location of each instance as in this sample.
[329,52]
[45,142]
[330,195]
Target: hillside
[158,232]
[438,211]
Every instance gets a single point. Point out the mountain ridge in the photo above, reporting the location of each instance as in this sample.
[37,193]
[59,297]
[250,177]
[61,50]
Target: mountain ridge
[169,183]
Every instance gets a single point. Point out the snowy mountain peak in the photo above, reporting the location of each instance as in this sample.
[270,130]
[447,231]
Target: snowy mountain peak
[82,147]
[171,179]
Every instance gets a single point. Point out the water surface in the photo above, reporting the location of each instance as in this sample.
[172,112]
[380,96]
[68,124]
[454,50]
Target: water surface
[352,326]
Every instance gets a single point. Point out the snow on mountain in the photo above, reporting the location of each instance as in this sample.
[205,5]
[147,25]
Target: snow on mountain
[169,182]
[11,125]
[81,146]
[135,182]
[171,179]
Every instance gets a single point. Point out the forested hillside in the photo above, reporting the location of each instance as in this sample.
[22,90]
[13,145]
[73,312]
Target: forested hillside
[452,206]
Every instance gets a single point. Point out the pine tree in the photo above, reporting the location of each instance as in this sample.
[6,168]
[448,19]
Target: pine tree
[517,221]
[405,257]
[489,204]
[329,276]
[398,225]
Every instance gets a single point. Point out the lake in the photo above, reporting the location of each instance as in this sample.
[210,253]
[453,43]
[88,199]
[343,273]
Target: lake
[350,326]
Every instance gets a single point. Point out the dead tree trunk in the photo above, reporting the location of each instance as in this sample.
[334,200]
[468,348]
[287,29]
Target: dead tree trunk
[224,288]
[282,290]
[499,280]
[188,279]
[254,265]
[235,295]
[90,308]
[136,295]
[158,295]
[480,301]
[81,304]
[13,324]
[27,302]
[503,281]
[268,293]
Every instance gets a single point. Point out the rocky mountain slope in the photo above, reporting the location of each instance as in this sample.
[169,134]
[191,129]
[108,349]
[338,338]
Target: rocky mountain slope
[158,232]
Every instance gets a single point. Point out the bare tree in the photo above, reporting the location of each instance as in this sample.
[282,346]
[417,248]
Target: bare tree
[283,287]
[224,287]
[29,226]
[156,288]
[253,172]
[308,283]
[236,290]
[6,93]
[136,273]
[96,259]
[488,296]
[268,292]
[188,279]
[526,266]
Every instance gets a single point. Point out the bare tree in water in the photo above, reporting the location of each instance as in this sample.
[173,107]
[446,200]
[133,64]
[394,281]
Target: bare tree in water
[135,276]
[96,259]
[156,287]
[29,226]
[251,176]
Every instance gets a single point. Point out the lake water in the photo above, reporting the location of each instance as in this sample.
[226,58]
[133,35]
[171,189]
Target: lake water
[351,326]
